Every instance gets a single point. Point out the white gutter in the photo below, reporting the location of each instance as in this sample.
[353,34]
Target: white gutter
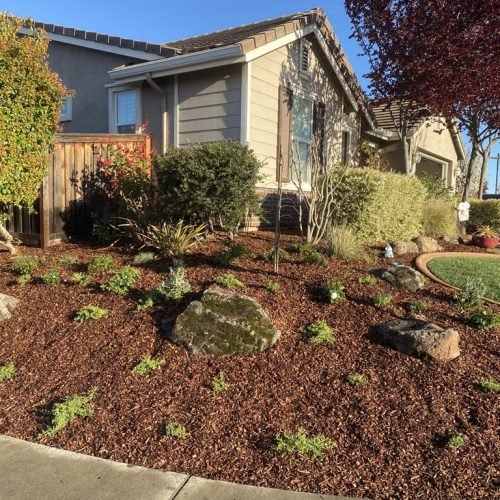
[382,133]
[164,117]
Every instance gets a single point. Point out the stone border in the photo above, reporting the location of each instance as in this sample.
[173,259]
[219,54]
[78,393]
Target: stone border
[422,261]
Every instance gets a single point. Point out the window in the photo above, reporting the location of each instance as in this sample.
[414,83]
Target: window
[126,111]
[302,129]
[346,139]
[66,109]
[304,57]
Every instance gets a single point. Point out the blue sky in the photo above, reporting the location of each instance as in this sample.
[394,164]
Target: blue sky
[162,21]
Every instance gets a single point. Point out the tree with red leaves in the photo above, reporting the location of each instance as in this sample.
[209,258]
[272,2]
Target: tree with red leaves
[437,56]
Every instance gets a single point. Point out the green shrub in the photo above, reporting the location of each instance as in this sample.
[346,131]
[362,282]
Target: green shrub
[367,280]
[52,277]
[90,312]
[469,297]
[315,258]
[173,429]
[439,218]
[229,254]
[210,182]
[487,384]
[70,409]
[176,286]
[300,443]
[24,264]
[284,256]
[100,263]
[417,306]
[334,292]
[435,186]
[219,383]
[320,332]
[484,318]
[81,279]
[484,213]
[356,379]
[122,281]
[378,206]
[7,371]
[144,258]
[146,302]
[147,365]
[302,247]
[23,279]
[272,286]
[68,260]
[457,440]
[343,243]
[381,300]
[229,281]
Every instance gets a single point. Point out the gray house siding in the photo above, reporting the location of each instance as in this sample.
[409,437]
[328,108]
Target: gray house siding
[85,72]
[209,106]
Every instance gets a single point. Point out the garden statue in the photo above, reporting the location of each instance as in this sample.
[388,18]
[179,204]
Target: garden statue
[388,252]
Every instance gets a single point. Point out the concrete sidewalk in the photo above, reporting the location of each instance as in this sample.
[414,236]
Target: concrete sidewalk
[30,471]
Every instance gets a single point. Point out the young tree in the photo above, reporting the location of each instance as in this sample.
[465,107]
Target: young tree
[30,97]
[437,55]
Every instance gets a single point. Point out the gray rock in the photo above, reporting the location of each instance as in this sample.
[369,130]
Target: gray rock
[426,244]
[452,238]
[403,247]
[223,322]
[420,338]
[7,304]
[403,277]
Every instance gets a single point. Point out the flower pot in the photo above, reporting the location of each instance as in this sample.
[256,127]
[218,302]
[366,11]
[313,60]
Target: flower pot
[482,242]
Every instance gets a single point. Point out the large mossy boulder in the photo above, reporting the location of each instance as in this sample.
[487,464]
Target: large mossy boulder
[7,305]
[403,277]
[223,322]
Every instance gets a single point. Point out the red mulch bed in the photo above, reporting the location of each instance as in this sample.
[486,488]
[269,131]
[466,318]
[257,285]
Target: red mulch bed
[390,435]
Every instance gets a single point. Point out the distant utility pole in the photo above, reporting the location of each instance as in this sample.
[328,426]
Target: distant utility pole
[497,158]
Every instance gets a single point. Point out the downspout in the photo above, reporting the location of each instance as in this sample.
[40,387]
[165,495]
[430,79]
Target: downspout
[155,86]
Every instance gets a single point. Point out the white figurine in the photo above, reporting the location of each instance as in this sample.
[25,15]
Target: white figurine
[388,252]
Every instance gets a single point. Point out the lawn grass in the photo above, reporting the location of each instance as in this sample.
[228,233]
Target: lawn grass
[456,270]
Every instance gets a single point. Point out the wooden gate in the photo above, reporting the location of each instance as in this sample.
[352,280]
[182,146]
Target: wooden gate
[73,159]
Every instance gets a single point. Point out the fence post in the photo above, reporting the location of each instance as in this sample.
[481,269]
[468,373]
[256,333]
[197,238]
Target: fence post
[44,210]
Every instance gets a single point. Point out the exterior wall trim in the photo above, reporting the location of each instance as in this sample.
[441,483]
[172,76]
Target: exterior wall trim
[176,111]
[246,93]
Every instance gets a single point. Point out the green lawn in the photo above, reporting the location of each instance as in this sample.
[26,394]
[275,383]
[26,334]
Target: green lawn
[456,270]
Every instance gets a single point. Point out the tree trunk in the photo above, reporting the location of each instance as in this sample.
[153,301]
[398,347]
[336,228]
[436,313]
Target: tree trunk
[484,168]
[406,155]
[6,239]
[468,177]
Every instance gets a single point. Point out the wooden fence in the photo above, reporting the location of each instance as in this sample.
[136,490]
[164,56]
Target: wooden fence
[62,202]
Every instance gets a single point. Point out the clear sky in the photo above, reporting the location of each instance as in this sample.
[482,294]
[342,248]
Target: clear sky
[161,21]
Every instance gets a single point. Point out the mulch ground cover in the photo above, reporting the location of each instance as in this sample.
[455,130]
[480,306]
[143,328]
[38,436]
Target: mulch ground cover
[390,435]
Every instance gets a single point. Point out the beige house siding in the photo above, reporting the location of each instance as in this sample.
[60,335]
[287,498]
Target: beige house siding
[209,105]
[281,67]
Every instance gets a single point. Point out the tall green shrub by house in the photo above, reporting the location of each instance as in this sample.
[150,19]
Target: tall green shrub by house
[484,213]
[379,206]
[209,183]
[30,107]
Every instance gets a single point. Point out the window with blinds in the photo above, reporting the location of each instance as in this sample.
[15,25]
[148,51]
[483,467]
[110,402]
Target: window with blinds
[126,111]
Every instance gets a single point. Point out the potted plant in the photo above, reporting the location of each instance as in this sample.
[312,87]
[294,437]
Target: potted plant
[485,237]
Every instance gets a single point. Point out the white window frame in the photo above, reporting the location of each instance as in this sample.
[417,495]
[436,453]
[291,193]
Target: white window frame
[68,115]
[305,45]
[307,97]
[113,108]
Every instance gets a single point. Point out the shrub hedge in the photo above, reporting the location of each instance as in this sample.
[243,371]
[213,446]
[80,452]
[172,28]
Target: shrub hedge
[484,213]
[379,206]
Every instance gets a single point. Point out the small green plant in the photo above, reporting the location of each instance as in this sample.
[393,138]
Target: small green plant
[343,243]
[367,280]
[122,281]
[272,286]
[315,258]
[457,440]
[52,277]
[229,254]
[488,384]
[417,306]
[7,371]
[176,286]
[381,300]
[147,302]
[219,383]
[147,365]
[68,260]
[284,256]
[302,247]
[173,429]
[90,312]
[356,379]
[24,264]
[470,296]
[320,332]
[334,292]
[484,318]
[301,443]
[144,258]
[70,409]
[100,263]
[81,279]
[23,279]
[229,281]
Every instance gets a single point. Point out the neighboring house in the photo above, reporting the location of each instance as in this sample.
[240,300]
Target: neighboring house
[435,145]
